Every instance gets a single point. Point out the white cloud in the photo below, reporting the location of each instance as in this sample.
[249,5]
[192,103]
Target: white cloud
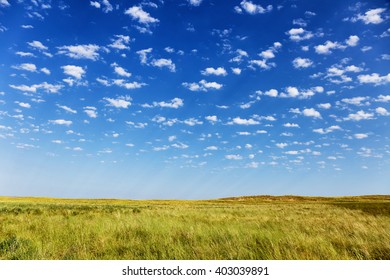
[234,157]
[354,100]
[220,71]
[324,106]
[374,78]
[262,63]
[46,86]
[382,111]
[140,15]
[360,135]
[328,47]
[89,51]
[327,130]
[192,122]
[302,62]
[26,67]
[120,43]
[45,70]
[4,3]
[37,45]
[195,2]
[253,9]
[268,54]
[121,71]
[360,115]
[74,71]
[293,92]
[236,71]
[162,62]
[120,102]
[281,145]
[126,85]
[203,85]
[211,148]
[24,54]
[371,16]
[299,34]
[212,119]
[311,113]
[352,41]
[291,125]
[95,4]
[91,111]
[383,98]
[66,108]
[175,103]
[24,105]
[241,121]
[61,122]
[143,55]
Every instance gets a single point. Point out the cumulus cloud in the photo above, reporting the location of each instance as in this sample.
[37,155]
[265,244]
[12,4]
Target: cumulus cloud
[383,98]
[382,111]
[202,85]
[291,125]
[143,55]
[61,122]
[67,109]
[251,8]
[360,135]
[360,115]
[120,70]
[374,78]
[236,70]
[212,119]
[89,51]
[162,62]
[4,3]
[120,43]
[302,62]
[234,157]
[138,14]
[220,71]
[311,113]
[195,2]
[327,130]
[37,45]
[324,106]
[74,71]
[120,102]
[91,111]
[328,47]
[122,83]
[352,41]
[192,122]
[299,34]
[372,16]
[241,121]
[107,7]
[26,67]
[175,103]
[33,88]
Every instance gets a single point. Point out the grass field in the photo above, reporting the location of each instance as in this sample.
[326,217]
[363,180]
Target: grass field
[259,227]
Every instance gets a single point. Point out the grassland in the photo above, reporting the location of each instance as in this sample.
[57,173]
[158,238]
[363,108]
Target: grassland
[259,227]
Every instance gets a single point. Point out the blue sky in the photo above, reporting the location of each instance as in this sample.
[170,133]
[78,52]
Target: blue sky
[194,99]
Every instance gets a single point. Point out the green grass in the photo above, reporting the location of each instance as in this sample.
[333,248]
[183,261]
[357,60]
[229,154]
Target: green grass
[259,227]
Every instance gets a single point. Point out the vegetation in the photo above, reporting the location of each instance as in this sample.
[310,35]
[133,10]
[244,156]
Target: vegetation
[259,227]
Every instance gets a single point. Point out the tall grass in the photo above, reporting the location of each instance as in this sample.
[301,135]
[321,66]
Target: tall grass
[246,228]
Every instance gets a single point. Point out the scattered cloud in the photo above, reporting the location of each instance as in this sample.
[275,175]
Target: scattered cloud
[252,8]
[220,71]
[162,62]
[122,102]
[302,62]
[202,85]
[61,122]
[89,51]
[74,71]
